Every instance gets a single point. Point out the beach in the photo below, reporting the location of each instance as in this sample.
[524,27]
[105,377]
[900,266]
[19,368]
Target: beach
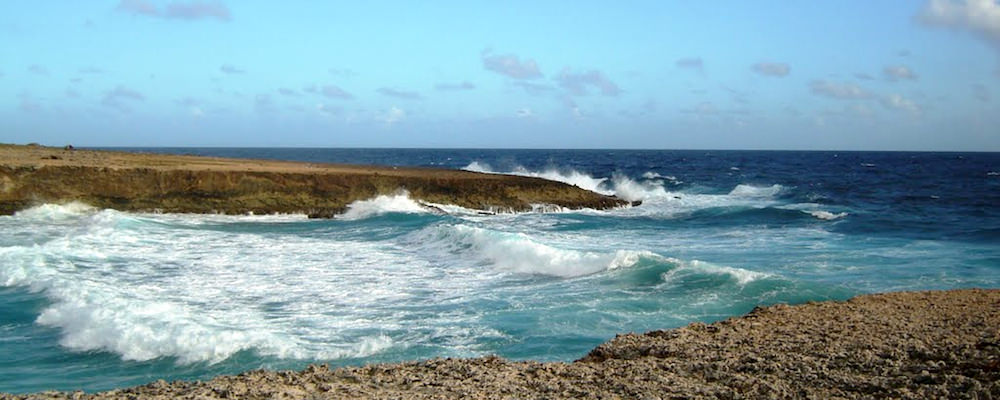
[939,344]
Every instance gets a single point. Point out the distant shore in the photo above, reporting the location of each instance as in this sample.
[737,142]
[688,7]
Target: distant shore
[936,344]
[31,175]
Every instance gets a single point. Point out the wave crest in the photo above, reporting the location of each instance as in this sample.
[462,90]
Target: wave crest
[757,191]
[56,212]
[519,253]
[384,204]
[651,186]
[826,215]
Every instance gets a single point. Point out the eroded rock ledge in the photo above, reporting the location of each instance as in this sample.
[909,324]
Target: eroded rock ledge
[32,175]
[926,345]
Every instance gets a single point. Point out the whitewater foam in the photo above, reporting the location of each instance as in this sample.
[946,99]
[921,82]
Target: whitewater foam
[383,204]
[148,291]
[752,191]
[740,276]
[650,190]
[569,176]
[55,212]
[520,253]
[826,215]
[656,175]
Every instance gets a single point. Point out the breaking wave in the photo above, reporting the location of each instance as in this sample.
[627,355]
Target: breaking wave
[826,215]
[651,187]
[757,191]
[384,204]
[519,253]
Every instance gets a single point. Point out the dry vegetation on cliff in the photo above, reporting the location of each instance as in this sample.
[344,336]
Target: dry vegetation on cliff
[31,175]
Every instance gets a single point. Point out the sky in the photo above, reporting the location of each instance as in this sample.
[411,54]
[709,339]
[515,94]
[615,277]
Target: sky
[809,75]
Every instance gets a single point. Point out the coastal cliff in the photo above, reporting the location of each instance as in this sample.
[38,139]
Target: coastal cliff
[32,175]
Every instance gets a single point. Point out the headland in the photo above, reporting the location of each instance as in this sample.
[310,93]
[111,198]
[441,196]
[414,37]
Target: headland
[31,175]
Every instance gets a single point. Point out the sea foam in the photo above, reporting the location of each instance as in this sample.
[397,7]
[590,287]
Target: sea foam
[55,212]
[650,188]
[384,204]
[756,191]
[185,291]
[826,215]
[520,253]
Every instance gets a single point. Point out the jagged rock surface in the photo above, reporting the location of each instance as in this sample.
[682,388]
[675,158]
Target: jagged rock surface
[32,175]
[898,345]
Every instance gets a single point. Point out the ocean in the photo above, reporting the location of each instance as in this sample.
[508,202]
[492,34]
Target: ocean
[97,299]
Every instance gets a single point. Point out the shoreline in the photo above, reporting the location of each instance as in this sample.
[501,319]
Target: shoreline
[31,175]
[929,344]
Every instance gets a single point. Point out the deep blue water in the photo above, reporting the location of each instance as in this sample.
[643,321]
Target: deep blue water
[95,299]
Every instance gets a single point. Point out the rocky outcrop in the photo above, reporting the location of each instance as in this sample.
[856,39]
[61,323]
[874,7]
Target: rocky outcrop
[921,345]
[31,175]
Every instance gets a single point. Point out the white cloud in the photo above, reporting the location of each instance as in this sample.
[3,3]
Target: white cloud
[577,83]
[842,91]
[534,89]
[120,98]
[231,69]
[978,16]
[138,7]
[695,63]
[334,92]
[899,73]
[778,70]
[705,108]
[464,85]
[399,94]
[898,102]
[323,108]
[510,65]
[394,115]
[263,104]
[196,9]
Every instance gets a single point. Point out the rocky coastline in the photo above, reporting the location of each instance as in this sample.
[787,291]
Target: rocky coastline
[921,345]
[934,344]
[32,175]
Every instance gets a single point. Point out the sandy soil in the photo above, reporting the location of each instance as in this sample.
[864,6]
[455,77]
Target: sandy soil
[925,345]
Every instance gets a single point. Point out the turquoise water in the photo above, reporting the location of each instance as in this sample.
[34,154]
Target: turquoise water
[95,299]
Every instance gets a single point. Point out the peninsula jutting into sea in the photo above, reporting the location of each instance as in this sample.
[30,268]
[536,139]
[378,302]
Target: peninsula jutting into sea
[212,199]
[497,274]
[34,175]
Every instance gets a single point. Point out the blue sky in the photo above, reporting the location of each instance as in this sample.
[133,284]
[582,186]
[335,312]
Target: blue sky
[845,75]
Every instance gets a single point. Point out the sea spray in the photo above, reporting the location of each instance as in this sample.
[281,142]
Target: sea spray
[519,253]
[97,299]
[396,203]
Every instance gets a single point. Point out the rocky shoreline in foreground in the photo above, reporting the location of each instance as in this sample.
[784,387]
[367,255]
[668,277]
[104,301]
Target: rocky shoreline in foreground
[32,175]
[937,344]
